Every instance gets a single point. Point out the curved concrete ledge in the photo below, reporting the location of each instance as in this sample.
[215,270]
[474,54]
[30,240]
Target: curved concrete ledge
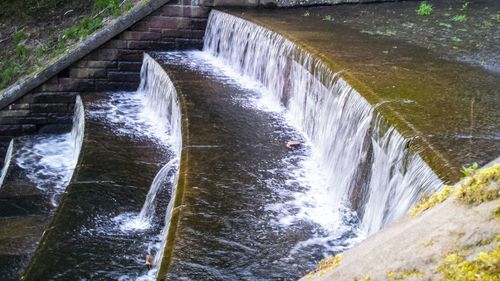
[427,99]
[26,84]
[182,182]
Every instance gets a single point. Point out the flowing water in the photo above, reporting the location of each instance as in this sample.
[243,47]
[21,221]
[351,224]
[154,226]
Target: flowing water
[252,208]
[116,206]
[6,162]
[366,164]
[51,159]
[34,177]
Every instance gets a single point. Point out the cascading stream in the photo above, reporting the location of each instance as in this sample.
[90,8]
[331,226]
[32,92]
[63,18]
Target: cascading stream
[367,167]
[148,210]
[50,160]
[161,100]
[6,163]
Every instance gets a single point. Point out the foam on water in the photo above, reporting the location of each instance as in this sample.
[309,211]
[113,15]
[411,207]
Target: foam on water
[49,160]
[151,113]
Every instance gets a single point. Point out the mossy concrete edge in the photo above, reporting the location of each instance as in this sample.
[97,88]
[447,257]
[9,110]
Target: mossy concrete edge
[118,25]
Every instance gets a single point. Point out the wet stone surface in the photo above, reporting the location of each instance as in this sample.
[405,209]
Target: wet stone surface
[468,31]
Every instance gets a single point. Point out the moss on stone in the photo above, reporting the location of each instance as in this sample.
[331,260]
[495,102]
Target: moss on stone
[403,275]
[428,243]
[481,187]
[325,265]
[429,202]
[484,267]
[496,213]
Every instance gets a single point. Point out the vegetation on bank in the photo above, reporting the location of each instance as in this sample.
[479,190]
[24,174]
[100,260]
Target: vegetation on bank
[424,9]
[36,36]
[476,188]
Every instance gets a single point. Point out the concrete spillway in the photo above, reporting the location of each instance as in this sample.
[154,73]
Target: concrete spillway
[191,174]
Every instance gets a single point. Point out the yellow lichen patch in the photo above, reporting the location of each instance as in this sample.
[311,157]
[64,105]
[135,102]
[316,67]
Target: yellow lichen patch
[429,202]
[481,187]
[484,267]
[428,243]
[402,275]
[366,278]
[496,213]
[325,265]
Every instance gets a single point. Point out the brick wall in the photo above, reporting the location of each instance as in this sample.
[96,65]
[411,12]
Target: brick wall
[116,65]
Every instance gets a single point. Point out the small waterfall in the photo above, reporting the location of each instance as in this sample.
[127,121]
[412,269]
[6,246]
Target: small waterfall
[372,171]
[160,101]
[162,105]
[398,179]
[77,132]
[6,163]
[164,231]
[50,160]
[148,209]
[74,142]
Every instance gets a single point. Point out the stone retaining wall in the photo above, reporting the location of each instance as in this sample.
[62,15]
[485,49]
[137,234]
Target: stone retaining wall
[114,66]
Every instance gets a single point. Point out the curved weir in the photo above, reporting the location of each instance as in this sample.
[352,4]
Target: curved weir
[367,162]
[250,160]
[114,212]
[34,178]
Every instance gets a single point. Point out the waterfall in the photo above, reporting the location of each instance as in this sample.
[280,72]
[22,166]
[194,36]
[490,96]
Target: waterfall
[160,101]
[6,162]
[368,167]
[50,160]
[162,104]
[77,132]
[148,209]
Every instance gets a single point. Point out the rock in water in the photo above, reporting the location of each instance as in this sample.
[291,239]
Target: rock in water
[149,261]
[293,144]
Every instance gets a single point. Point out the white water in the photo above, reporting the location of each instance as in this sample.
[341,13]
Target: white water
[6,162]
[162,100]
[339,123]
[50,160]
[153,113]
